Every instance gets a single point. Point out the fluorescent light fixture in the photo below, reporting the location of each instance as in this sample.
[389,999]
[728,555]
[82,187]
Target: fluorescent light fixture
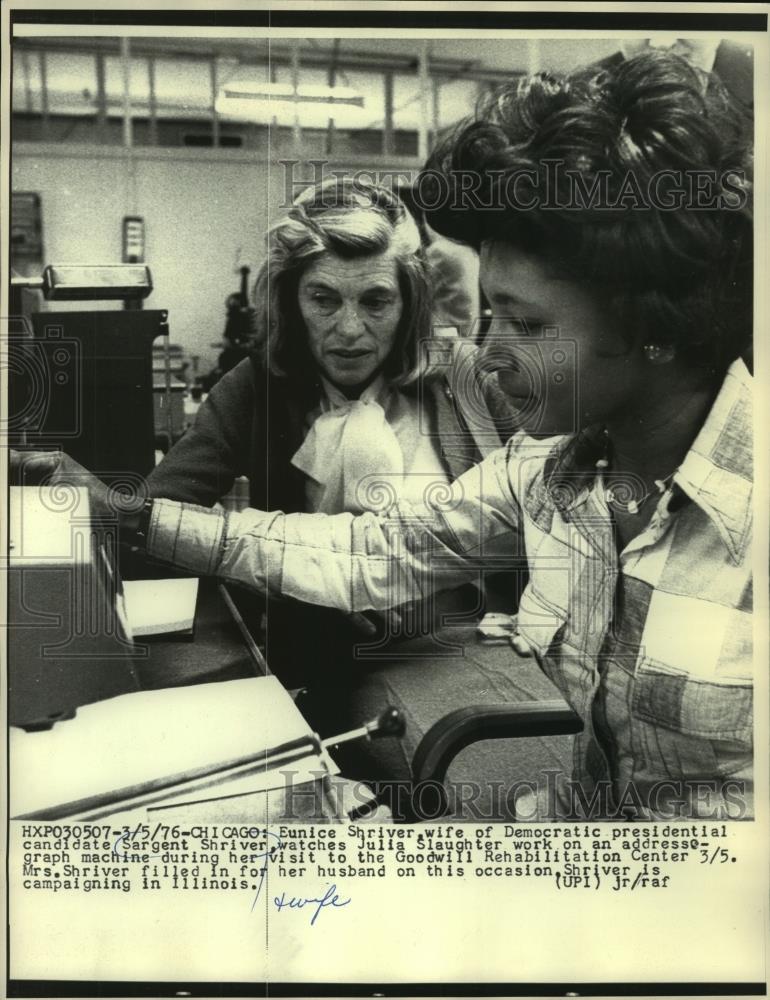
[311,105]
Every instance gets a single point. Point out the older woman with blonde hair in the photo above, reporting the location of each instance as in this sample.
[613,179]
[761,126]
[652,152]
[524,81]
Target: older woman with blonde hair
[335,391]
[340,409]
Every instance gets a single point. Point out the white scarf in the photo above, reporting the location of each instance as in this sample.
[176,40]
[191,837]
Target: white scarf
[352,452]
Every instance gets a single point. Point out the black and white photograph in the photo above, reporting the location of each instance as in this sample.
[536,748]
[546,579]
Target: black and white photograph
[380,443]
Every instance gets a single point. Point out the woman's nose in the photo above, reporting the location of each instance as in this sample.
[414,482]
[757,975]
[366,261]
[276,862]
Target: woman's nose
[501,347]
[349,320]
[504,329]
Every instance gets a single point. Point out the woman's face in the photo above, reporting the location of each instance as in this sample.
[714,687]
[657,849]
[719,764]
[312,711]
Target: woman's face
[351,310]
[552,350]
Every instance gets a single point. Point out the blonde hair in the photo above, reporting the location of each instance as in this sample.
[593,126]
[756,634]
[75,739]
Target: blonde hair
[349,218]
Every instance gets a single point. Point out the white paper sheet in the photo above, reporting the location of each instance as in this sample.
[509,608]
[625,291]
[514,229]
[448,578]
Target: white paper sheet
[156,607]
[150,734]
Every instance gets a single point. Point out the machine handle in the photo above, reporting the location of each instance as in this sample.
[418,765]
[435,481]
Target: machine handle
[389,722]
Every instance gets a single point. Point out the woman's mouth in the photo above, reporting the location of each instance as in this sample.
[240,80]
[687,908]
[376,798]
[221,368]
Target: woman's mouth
[516,388]
[349,354]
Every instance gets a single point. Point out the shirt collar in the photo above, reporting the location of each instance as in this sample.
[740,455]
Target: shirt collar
[332,397]
[716,473]
[570,468]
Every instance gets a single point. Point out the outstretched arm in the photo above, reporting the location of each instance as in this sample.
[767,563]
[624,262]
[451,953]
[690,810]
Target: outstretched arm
[353,563]
[341,561]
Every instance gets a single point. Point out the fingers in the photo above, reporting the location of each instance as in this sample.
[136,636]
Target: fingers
[70,471]
[392,621]
[14,467]
[371,623]
[521,645]
[30,468]
[52,468]
[362,624]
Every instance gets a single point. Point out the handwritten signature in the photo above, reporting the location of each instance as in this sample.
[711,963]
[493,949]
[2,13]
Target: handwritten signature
[282,902]
[330,898]
[270,855]
[125,839]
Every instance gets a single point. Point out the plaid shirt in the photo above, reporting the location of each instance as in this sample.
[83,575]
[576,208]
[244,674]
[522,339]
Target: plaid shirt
[652,647]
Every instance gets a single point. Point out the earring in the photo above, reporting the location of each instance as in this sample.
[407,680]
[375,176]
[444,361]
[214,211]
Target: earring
[658,354]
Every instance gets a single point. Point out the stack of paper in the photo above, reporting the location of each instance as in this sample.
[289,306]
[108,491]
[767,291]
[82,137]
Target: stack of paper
[137,738]
[155,608]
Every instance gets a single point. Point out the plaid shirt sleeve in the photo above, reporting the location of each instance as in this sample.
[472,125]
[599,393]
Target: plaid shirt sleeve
[652,646]
[347,562]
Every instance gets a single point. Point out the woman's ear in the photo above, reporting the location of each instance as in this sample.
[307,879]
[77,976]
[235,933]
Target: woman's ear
[658,354]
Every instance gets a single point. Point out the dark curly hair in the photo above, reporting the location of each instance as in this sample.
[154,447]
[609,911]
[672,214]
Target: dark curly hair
[634,181]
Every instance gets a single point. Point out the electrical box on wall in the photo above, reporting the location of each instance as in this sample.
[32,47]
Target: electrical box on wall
[133,239]
[26,244]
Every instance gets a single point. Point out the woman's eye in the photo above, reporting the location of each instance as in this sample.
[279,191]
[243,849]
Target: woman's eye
[520,326]
[376,304]
[323,301]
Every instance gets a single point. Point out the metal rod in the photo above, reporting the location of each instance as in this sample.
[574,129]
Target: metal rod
[44,105]
[101,97]
[214,113]
[159,789]
[27,84]
[296,129]
[389,722]
[253,648]
[387,132]
[332,81]
[128,125]
[152,103]
[435,108]
[167,387]
[351,734]
[424,84]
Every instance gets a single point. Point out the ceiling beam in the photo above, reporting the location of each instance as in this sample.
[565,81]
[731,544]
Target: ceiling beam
[256,54]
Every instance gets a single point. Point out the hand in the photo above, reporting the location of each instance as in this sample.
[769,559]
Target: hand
[53,468]
[30,468]
[371,623]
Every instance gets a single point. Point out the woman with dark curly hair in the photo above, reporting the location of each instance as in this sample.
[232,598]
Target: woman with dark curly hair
[612,217]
